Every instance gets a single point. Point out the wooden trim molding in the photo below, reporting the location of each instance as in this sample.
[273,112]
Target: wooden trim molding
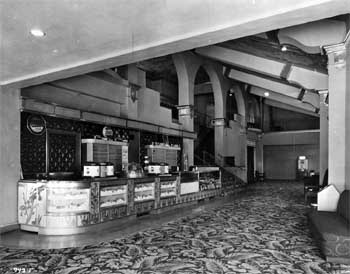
[46,108]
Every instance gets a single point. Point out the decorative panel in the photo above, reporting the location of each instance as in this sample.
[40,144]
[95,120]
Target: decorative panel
[62,152]
[144,207]
[113,213]
[31,203]
[95,203]
[33,147]
[33,150]
[167,201]
[131,184]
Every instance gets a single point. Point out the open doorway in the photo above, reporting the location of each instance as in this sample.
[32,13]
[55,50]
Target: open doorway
[250,164]
[204,113]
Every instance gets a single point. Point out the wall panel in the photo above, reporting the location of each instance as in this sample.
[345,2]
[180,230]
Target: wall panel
[280,162]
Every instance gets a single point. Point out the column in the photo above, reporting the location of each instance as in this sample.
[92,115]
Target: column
[187,65]
[9,156]
[339,115]
[323,134]
[188,148]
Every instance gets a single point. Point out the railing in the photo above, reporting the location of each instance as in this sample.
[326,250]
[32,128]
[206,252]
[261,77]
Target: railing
[229,180]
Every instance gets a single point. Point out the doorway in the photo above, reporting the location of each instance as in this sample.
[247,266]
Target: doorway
[250,164]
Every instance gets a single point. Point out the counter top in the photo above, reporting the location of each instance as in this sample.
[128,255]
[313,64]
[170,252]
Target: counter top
[189,175]
[96,179]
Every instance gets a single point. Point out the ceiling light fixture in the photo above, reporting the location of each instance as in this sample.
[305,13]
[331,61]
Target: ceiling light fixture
[266,94]
[37,32]
[284,48]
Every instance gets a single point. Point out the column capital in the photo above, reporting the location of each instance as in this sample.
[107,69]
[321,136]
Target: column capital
[323,97]
[323,92]
[336,48]
[337,53]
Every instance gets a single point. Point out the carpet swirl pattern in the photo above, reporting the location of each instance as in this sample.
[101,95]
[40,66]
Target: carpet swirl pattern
[262,231]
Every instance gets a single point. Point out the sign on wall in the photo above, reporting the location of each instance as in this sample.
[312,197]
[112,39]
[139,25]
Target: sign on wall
[36,124]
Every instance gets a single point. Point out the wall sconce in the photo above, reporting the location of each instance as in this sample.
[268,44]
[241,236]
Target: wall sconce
[133,91]
[218,122]
[185,110]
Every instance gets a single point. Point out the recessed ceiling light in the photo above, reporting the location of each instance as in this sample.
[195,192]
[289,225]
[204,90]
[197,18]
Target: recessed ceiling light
[266,94]
[284,48]
[37,32]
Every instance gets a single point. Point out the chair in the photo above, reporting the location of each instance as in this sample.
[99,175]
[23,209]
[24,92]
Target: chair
[311,187]
[259,176]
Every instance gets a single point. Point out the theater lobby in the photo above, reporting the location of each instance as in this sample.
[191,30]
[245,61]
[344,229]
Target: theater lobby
[175,136]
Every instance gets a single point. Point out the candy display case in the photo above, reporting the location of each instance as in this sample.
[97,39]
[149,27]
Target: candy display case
[144,192]
[189,183]
[67,207]
[68,200]
[167,189]
[113,196]
[209,178]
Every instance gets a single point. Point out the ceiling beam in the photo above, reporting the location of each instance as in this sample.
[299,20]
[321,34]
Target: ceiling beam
[307,78]
[276,104]
[243,60]
[265,83]
[292,102]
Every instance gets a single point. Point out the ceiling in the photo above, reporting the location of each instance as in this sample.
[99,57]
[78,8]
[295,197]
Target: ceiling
[263,45]
[89,35]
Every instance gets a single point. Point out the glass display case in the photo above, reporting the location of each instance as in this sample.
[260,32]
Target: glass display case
[189,183]
[64,200]
[144,192]
[113,196]
[167,189]
[209,180]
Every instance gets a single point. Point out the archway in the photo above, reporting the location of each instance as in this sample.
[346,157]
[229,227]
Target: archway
[187,66]
[204,114]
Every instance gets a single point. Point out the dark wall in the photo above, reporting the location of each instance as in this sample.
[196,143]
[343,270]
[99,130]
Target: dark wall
[280,162]
[281,120]
[33,147]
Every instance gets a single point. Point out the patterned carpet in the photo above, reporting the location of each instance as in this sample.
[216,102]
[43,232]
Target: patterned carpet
[263,231]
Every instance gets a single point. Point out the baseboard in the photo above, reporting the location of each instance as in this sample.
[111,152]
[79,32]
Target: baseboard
[8,228]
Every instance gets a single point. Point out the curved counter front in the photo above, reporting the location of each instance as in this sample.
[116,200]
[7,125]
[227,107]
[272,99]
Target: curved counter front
[63,207]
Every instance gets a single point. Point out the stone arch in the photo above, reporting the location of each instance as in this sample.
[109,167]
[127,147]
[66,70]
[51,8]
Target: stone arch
[220,87]
[186,64]
[240,99]
[253,111]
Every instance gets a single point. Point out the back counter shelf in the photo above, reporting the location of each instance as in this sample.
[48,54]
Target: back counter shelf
[65,207]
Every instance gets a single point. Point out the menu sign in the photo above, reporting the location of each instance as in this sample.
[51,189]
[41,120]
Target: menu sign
[36,124]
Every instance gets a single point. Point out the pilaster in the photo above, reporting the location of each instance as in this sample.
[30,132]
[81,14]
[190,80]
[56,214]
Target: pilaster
[9,155]
[339,115]
[323,133]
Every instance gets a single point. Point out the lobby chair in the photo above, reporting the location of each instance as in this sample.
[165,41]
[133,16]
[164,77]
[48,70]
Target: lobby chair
[311,187]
